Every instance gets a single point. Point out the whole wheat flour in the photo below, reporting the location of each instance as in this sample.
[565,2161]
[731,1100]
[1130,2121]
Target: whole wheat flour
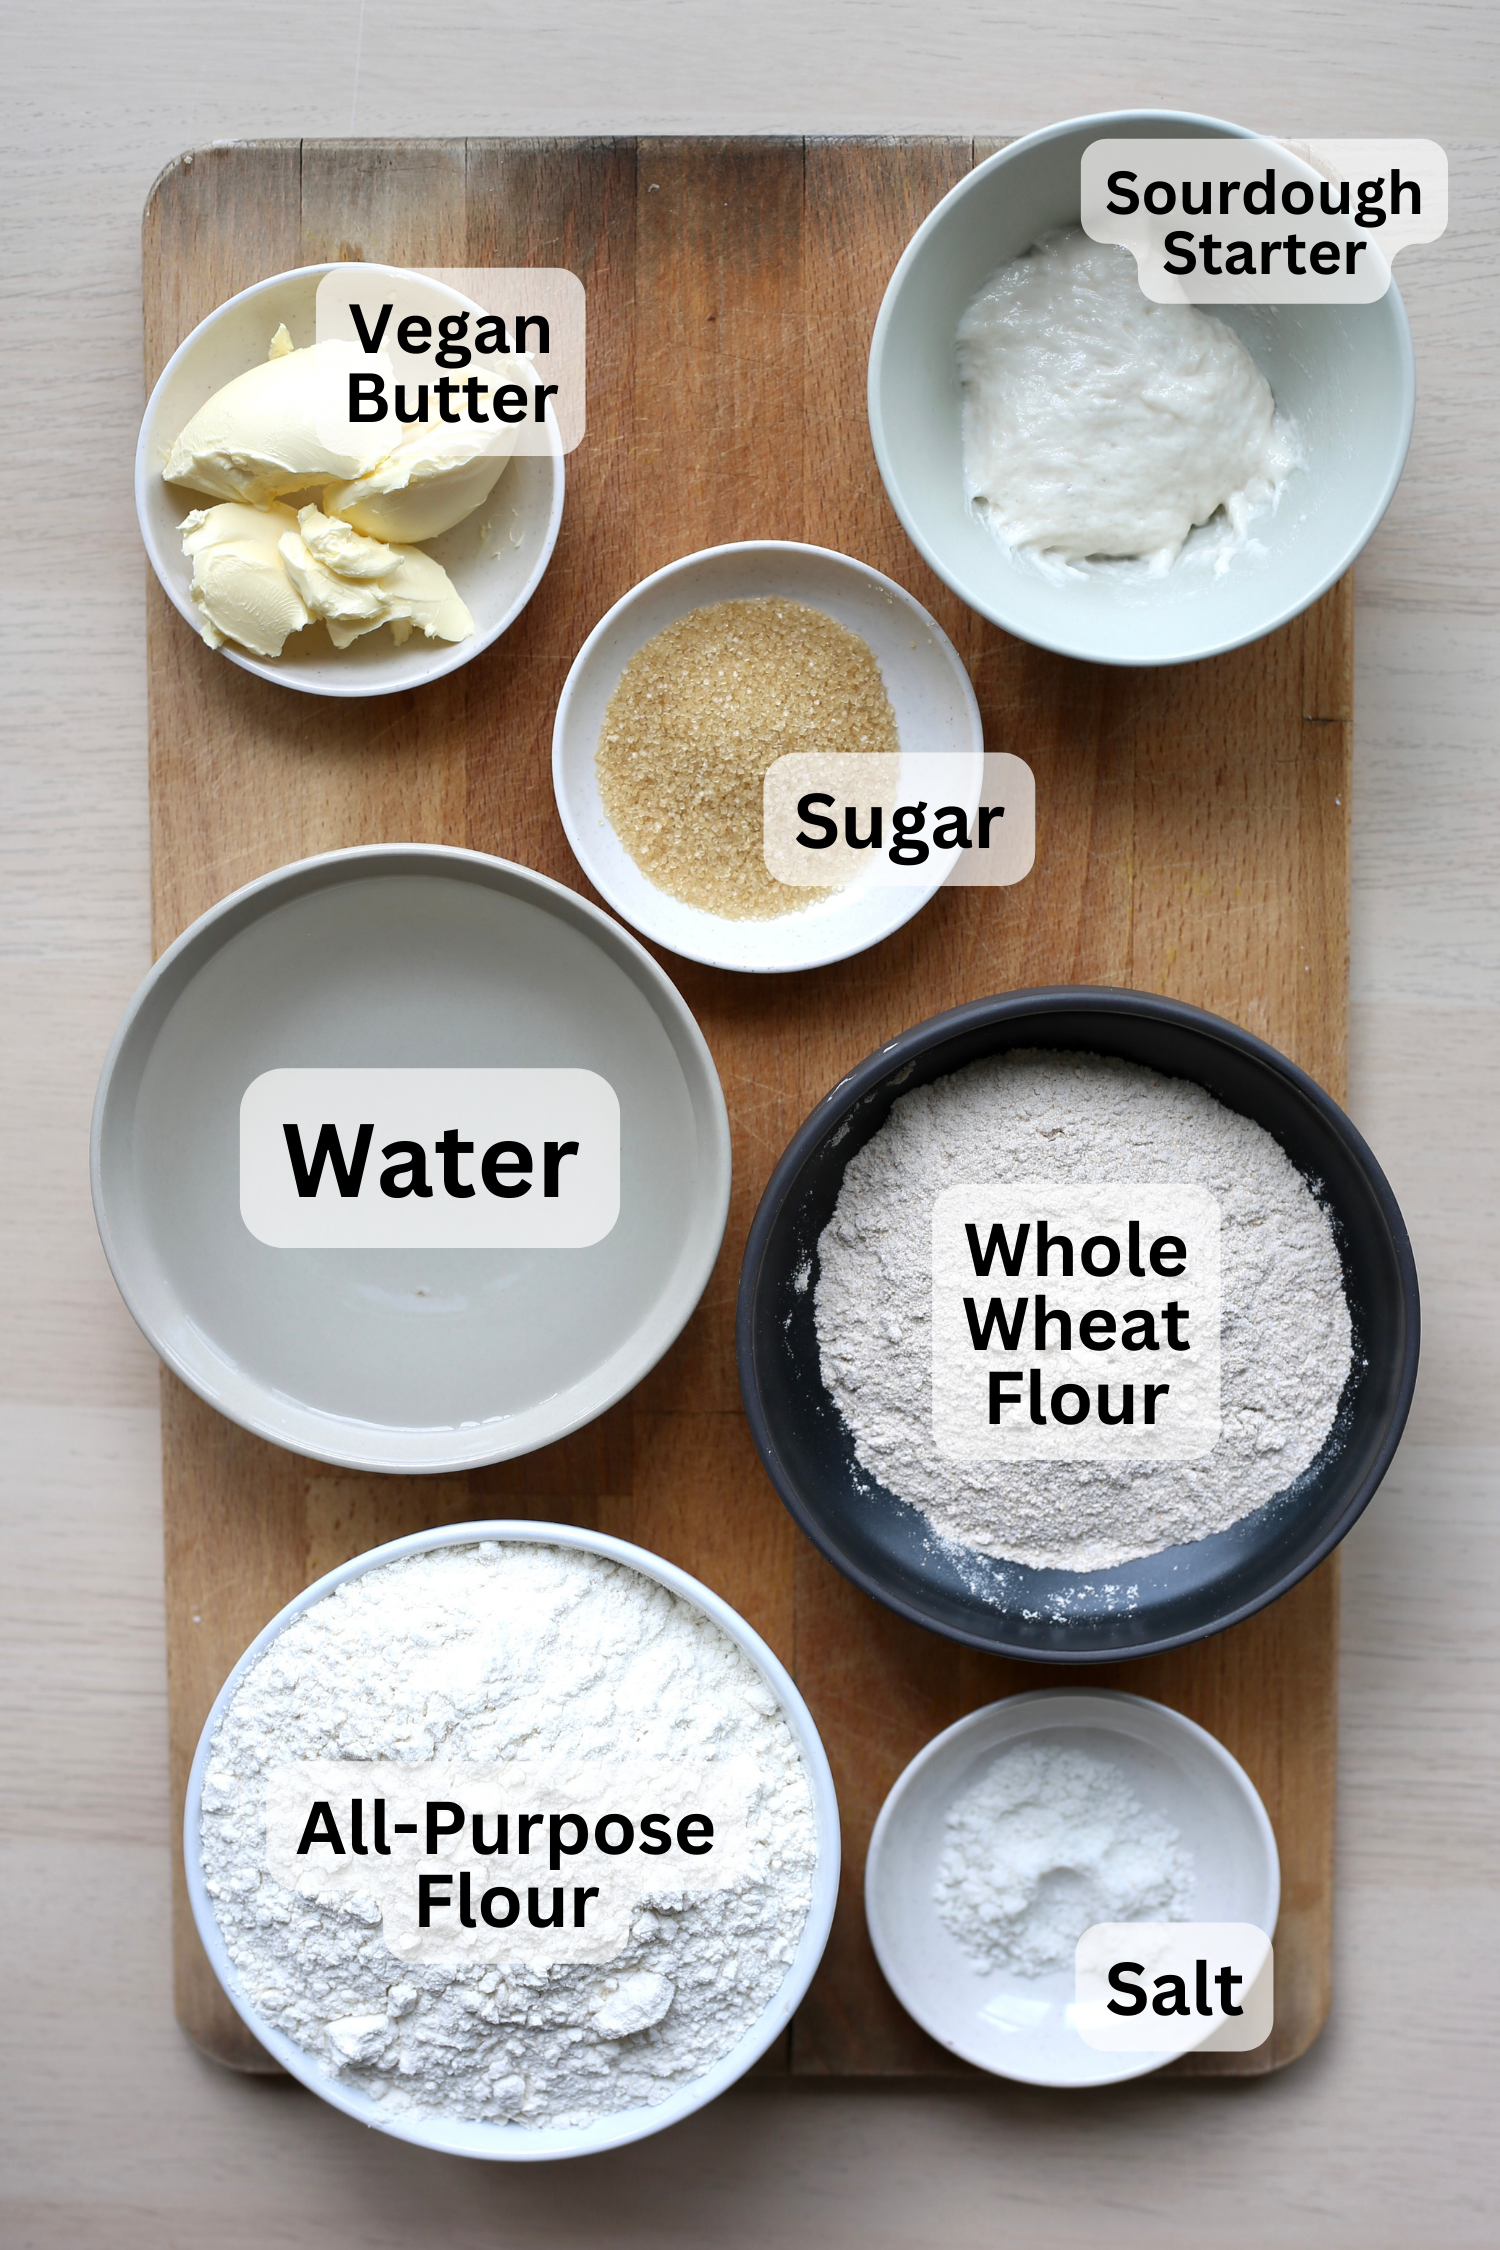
[1026,1116]
[486,1654]
[1045,1844]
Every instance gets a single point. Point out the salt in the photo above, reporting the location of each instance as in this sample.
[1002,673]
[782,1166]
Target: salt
[1045,1844]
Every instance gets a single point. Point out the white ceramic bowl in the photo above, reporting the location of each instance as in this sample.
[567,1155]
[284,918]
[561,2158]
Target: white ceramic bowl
[1021,2027]
[1343,373]
[404,956]
[496,576]
[519,2143]
[931,695]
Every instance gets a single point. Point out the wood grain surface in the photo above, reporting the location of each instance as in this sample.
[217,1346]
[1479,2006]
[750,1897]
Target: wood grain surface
[1192,839]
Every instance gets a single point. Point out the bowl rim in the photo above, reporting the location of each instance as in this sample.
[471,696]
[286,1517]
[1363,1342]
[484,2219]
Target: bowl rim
[1017,1007]
[1102,124]
[1163,1716]
[909,898]
[241,908]
[442,658]
[539,2144]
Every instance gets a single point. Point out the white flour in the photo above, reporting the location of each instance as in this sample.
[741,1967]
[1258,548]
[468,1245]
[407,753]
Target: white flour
[489,1653]
[1285,1337]
[1046,1843]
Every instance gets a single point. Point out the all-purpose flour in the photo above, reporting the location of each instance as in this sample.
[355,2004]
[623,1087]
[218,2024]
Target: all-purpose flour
[1285,1341]
[487,1655]
[1045,1844]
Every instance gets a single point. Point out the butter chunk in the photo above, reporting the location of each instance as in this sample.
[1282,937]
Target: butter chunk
[240,582]
[425,485]
[338,547]
[344,601]
[416,592]
[257,439]
[396,586]
[261,574]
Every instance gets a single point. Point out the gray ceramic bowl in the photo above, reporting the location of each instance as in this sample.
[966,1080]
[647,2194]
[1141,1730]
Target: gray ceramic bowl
[1343,373]
[404,956]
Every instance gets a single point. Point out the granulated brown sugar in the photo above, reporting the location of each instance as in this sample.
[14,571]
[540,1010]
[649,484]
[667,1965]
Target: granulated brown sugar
[698,716]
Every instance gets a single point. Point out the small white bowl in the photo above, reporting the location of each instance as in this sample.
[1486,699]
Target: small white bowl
[495,576]
[931,696]
[1343,373]
[520,2143]
[1022,2027]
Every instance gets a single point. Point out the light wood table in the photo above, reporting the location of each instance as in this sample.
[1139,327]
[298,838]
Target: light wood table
[112,2130]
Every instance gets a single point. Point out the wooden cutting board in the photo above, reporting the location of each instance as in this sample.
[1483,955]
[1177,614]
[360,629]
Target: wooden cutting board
[1192,839]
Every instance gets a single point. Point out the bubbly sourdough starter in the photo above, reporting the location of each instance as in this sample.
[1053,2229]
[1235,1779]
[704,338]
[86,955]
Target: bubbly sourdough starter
[1097,423]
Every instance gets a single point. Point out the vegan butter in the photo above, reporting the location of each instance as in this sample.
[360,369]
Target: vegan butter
[263,570]
[261,574]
